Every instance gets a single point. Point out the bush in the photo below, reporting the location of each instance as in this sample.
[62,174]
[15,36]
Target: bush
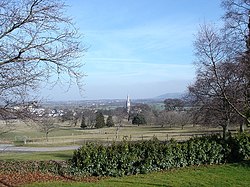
[127,158]
[110,122]
[100,122]
[238,147]
[139,119]
[83,124]
[204,150]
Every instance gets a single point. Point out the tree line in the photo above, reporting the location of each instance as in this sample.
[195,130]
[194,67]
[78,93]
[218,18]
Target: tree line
[175,113]
[220,94]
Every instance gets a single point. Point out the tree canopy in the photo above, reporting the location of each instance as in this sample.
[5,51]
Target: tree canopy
[38,42]
[139,119]
[110,122]
[220,93]
[99,122]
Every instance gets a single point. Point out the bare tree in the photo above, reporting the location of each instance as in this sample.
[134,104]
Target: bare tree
[7,125]
[236,19]
[46,125]
[37,42]
[173,118]
[218,92]
[150,116]
[120,115]
[166,118]
[182,118]
[89,118]
[237,29]
[173,104]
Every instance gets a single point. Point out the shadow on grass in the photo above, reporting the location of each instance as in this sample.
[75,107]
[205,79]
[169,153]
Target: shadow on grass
[129,183]
[63,156]
[245,164]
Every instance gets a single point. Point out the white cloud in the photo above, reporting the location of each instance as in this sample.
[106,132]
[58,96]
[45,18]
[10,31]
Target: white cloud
[155,38]
[137,71]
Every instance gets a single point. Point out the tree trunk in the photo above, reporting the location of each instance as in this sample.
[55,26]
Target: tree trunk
[242,128]
[47,138]
[225,131]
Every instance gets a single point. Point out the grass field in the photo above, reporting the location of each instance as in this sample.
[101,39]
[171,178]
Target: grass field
[17,156]
[67,135]
[218,175]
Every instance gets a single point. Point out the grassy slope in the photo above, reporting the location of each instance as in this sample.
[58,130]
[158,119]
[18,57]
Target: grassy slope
[222,175]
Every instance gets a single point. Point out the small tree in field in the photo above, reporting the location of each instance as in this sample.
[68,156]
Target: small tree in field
[139,119]
[110,122]
[166,118]
[120,114]
[83,124]
[47,125]
[100,122]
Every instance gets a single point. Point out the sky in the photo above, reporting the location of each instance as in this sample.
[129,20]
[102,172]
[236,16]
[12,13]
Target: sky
[141,48]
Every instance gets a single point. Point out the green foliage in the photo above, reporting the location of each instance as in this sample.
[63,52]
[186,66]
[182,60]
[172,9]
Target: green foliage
[238,147]
[83,124]
[110,122]
[100,123]
[128,158]
[139,119]
[204,150]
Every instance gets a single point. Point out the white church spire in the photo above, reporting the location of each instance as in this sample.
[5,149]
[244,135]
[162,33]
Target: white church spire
[128,104]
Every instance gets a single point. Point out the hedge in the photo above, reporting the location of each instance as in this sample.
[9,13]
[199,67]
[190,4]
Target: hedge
[129,158]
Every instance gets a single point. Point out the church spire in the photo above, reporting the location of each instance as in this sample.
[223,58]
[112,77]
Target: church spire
[128,104]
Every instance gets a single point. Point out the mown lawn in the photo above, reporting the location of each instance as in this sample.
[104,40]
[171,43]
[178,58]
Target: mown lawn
[19,156]
[66,134]
[218,175]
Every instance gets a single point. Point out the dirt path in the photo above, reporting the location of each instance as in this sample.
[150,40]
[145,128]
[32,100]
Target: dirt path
[10,147]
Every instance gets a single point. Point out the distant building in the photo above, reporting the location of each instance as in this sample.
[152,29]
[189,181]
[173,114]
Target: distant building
[128,104]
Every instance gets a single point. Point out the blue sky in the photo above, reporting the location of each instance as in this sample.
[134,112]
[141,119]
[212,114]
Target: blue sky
[138,47]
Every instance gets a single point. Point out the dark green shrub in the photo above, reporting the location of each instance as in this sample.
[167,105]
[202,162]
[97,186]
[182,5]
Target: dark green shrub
[139,119]
[83,124]
[204,150]
[110,122]
[99,121]
[127,158]
[238,147]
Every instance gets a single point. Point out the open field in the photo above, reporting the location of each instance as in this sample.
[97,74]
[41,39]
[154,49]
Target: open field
[68,135]
[217,175]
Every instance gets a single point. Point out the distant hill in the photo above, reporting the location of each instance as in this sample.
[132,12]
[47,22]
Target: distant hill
[170,96]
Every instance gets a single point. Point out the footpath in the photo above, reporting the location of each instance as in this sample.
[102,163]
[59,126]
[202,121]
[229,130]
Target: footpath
[12,148]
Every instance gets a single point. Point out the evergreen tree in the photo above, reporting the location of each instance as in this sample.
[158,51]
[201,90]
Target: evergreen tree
[83,124]
[99,120]
[139,119]
[110,122]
